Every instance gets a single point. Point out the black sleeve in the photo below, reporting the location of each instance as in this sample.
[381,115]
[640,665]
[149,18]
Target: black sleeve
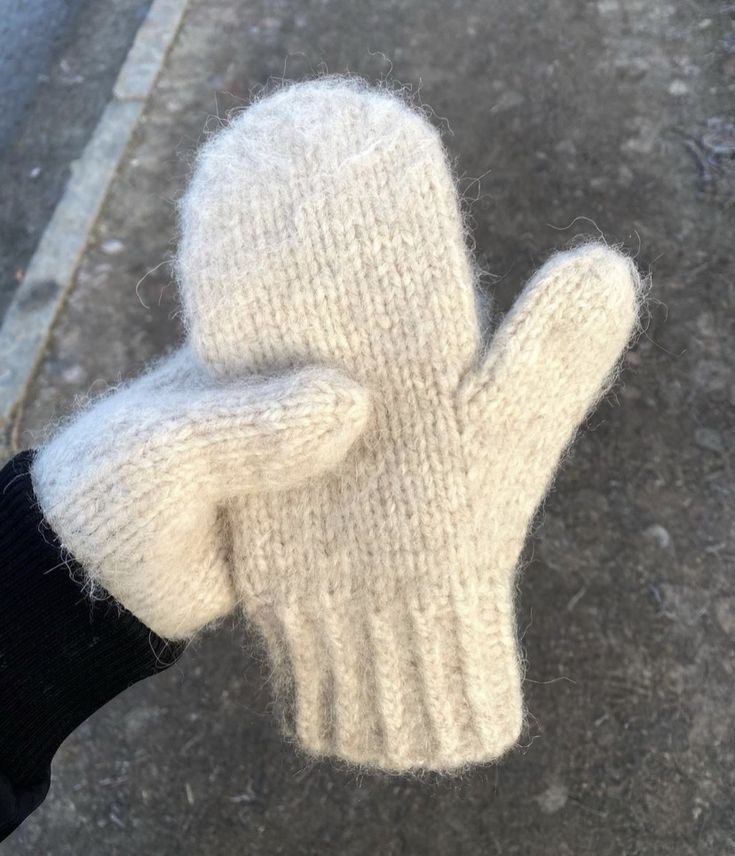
[62,655]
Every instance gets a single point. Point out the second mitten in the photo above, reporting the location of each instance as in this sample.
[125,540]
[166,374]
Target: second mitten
[135,486]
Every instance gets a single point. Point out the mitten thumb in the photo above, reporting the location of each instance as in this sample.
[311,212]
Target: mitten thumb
[257,435]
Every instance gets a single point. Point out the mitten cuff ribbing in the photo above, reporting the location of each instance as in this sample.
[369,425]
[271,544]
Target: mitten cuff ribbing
[401,687]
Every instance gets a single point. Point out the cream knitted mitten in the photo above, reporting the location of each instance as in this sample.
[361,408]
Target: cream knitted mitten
[323,227]
[134,486]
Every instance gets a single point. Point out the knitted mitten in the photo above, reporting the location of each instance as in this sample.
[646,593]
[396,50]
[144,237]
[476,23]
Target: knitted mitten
[323,227]
[133,487]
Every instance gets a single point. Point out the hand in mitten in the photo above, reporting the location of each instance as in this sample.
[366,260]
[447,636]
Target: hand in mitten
[323,227]
[135,486]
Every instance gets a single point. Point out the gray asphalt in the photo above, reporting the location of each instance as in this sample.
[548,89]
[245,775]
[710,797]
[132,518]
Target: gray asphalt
[578,115]
[58,62]
[29,33]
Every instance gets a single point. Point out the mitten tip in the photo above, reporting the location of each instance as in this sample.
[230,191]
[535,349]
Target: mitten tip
[609,278]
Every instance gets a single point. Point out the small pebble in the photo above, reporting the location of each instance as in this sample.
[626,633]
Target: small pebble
[73,375]
[626,175]
[112,247]
[709,439]
[659,534]
[725,612]
[553,799]
[711,375]
[566,148]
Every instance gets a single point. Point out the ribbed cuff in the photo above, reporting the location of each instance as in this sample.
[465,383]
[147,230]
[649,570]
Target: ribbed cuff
[405,687]
[62,655]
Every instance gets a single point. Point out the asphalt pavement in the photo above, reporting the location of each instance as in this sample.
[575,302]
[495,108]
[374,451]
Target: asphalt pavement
[564,117]
[58,63]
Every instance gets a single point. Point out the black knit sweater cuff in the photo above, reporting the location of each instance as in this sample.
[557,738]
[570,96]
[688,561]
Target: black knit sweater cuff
[62,655]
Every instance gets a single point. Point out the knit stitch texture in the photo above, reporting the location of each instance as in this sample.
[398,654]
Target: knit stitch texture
[135,486]
[322,227]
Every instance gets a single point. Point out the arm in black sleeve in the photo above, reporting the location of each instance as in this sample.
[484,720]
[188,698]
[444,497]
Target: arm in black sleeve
[62,654]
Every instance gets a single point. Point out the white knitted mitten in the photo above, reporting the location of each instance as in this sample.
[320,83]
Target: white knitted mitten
[134,486]
[323,227]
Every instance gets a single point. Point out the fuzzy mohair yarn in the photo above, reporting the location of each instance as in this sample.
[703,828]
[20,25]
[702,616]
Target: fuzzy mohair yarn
[323,227]
[135,485]
[338,449]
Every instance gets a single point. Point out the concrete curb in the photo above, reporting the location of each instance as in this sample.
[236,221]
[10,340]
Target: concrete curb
[50,274]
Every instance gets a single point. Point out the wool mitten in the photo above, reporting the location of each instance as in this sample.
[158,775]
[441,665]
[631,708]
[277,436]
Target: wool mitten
[134,487]
[323,227]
